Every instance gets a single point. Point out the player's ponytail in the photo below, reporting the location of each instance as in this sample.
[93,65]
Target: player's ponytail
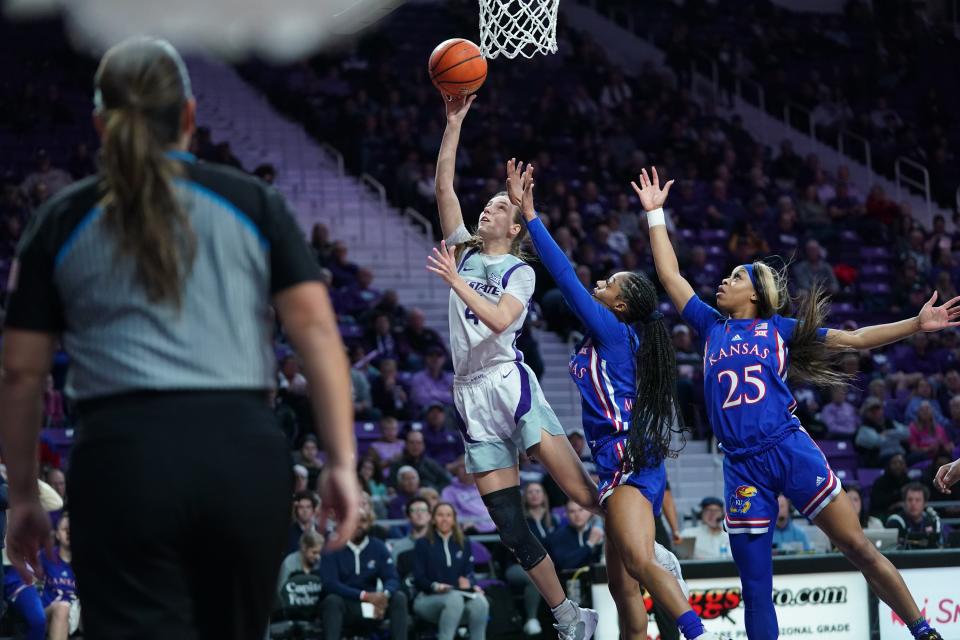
[141,89]
[811,360]
[655,416]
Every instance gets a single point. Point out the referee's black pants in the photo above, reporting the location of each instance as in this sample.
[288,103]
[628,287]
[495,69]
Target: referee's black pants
[180,505]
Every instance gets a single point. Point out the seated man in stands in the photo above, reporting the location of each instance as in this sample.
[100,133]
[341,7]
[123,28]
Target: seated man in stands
[305,506]
[432,474]
[787,537]
[463,494]
[918,525]
[403,537]
[350,579]
[712,542]
[578,543]
[433,384]
[443,443]
[305,561]
[408,487]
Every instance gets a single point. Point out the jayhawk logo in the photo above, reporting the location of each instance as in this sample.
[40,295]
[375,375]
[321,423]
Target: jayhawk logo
[740,498]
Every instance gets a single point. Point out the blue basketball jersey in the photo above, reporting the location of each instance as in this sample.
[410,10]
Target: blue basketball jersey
[745,365]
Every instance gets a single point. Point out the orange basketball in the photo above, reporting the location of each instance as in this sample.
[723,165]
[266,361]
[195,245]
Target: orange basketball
[457,68]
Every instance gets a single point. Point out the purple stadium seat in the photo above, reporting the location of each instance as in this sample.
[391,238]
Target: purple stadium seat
[481,555]
[837,448]
[367,431]
[866,478]
[845,471]
[876,253]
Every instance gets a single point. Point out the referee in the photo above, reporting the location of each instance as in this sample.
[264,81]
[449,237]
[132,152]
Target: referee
[158,276]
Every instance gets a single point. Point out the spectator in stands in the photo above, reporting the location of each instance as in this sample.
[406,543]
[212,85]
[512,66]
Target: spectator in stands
[787,165]
[813,214]
[389,396]
[712,542]
[46,174]
[448,594]
[923,393]
[431,473]
[305,505]
[380,341]
[839,415]
[389,447]
[223,154]
[443,443]
[306,559]
[879,436]
[374,530]
[81,164]
[388,305]
[918,525]
[266,172]
[363,408]
[344,272]
[54,414]
[814,269]
[722,210]
[885,495]
[928,439]
[867,521]
[462,493]
[431,495]
[433,384]
[844,210]
[299,478]
[407,487]
[359,297]
[58,480]
[289,378]
[577,543]
[929,481]
[370,474]
[350,576]
[948,390]
[403,537]
[59,596]
[416,340]
[953,424]
[787,537]
[320,243]
[579,443]
[307,457]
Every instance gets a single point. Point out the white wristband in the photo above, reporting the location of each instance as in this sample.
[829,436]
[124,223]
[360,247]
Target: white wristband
[656,217]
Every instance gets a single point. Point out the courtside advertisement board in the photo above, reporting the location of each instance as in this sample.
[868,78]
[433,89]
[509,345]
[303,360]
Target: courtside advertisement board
[827,606]
[937,594]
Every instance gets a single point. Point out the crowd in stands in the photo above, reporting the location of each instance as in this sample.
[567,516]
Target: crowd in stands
[588,131]
[882,70]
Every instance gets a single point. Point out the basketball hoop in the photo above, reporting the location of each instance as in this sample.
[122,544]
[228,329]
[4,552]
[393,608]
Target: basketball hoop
[518,27]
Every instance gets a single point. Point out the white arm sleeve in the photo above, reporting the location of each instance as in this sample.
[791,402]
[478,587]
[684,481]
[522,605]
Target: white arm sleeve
[521,284]
[459,236]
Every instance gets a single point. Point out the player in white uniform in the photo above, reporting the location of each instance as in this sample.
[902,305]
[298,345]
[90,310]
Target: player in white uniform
[500,407]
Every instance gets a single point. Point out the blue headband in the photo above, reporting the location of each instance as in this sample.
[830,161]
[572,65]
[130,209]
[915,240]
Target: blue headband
[749,269]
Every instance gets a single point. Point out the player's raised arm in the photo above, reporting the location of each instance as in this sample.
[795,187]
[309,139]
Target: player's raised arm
[451,218]
[652,198]
[929,319]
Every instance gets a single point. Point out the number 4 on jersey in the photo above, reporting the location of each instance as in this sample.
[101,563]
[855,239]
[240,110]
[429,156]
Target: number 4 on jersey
[470,315]
[733,398]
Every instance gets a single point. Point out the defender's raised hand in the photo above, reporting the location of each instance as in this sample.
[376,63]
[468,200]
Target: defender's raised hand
[649,191]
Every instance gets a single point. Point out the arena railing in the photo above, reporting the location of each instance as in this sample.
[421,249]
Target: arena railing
[337,156]
[922,184]
[791,109]
[843,136]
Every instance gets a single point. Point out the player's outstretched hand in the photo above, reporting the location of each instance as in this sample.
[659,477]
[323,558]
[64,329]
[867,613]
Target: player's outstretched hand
[443,262]
[947,476]
[520,188]
[339,493]
[650,194]
[933,318]
[28,534]
[457,108]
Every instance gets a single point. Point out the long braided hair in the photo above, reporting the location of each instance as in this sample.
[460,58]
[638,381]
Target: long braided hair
[655,416]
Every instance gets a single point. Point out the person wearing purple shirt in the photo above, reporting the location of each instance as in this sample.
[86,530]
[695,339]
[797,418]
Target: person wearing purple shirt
[463,494]
[389,447]
[443,444]
[358,297]
[839,415]
[919,356]
[408,485]
[433,384]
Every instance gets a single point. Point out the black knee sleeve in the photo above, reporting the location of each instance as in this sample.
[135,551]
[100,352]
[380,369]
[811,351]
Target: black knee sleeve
[506,511]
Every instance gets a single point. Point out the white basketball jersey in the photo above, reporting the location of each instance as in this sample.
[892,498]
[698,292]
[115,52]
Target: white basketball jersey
[473,345]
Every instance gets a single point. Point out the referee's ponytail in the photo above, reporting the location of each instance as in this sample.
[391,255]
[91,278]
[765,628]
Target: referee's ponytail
[141,89]
[655,416]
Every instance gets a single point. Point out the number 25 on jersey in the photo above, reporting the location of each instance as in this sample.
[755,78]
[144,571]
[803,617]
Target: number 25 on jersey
[751,396]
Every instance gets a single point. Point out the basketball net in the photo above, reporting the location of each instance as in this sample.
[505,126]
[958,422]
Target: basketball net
[518,27]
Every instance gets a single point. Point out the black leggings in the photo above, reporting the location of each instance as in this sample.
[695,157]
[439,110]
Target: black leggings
[180,504]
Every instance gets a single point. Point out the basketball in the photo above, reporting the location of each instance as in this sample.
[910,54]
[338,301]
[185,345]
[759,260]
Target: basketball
[457,68]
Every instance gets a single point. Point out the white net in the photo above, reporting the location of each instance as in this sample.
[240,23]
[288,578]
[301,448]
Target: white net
[518,27]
